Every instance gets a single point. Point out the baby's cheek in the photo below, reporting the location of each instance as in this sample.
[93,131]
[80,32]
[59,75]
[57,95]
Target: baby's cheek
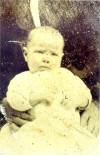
[56,62]
[33,62]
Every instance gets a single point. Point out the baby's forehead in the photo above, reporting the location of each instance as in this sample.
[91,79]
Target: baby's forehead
[48,36]
[45,42]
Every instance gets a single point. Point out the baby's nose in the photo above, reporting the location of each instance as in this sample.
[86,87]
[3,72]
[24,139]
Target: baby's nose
[46,61]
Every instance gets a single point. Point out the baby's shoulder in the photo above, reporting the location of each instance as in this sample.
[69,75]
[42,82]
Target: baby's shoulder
[23,76]
[67,74]
[74,80]
[19,80]
[63,72]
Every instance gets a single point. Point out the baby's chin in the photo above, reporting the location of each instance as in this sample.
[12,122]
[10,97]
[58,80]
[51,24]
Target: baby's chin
[44,69]
[41,69]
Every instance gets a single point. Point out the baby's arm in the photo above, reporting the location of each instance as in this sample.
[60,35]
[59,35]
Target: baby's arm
[17,94]
[89,117]
[77,93]
[16,102]
[85,97]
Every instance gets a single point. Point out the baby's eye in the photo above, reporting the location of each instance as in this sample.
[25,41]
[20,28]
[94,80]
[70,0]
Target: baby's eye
[38,51]
[54,54]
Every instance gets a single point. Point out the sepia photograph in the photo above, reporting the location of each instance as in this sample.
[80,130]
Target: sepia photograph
[49,77]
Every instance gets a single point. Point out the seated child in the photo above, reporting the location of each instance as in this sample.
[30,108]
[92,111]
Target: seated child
[54,96]
[45,79]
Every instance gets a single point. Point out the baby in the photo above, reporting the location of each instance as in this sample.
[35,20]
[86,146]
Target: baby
[46,83]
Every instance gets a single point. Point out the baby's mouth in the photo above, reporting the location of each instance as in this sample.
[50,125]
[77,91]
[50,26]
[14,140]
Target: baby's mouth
[44,67]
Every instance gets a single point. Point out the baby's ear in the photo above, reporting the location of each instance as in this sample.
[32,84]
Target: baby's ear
[62,54]
[25,53]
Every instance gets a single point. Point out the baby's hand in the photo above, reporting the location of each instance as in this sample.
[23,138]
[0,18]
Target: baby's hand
[90,119]
[16,118]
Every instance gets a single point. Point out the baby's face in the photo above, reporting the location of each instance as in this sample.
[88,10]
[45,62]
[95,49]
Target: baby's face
[44,53]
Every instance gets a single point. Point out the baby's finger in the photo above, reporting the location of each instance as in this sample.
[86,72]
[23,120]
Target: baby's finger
[26,116]
[18,121]
[23,115]
[91,125]
[84,119]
